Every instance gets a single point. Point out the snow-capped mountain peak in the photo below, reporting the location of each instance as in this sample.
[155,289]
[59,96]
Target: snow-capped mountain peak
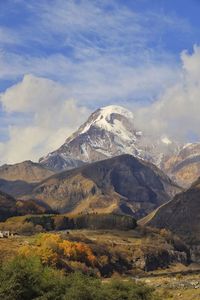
[107,111]
[108,132]
[114,119]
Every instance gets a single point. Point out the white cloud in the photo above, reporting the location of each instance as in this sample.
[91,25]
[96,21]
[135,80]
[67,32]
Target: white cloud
[49,117]
[94,46]
[49,113]
[176,113]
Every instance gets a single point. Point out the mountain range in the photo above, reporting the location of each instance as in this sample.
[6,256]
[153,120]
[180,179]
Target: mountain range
[107,165]
[108,132]
[122,184]
[111,131]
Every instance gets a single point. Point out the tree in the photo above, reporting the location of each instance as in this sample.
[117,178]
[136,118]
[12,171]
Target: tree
[26,279]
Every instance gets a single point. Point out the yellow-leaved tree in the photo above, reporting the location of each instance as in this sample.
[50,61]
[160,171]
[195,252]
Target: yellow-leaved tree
[52,249]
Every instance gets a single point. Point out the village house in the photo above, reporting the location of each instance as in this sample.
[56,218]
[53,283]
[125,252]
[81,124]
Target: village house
[5,234]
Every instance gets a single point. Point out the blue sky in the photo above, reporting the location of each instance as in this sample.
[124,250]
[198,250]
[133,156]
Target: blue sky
[64,57]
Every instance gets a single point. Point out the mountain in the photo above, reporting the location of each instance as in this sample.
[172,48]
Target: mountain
[59,161]
[10,207]
[16,188]
[109,131]
[184,167]
[20,178]
[7,206]
[26,171]
[180,215]
[122,184]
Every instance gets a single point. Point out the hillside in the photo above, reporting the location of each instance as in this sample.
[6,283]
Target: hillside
[181,215]
[121,184]
[10,207]
[7,206]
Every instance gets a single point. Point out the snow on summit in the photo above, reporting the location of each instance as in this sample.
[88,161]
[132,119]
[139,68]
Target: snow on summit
[112,118]
[116,109]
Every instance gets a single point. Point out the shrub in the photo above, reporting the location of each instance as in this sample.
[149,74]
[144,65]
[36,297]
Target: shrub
[25,278]
[119,290]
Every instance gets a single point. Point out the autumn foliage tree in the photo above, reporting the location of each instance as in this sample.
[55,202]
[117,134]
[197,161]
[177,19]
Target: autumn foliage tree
[52,250]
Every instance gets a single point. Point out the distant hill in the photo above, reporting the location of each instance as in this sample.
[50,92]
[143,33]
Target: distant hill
[122,184]
[184,166]
[19,179]
[10,207]
[16,188]
[25,171]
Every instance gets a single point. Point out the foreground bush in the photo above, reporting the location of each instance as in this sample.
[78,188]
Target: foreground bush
[24,279]
[27,279]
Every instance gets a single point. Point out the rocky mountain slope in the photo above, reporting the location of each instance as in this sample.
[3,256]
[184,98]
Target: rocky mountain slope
[19,178]
[121,184]
[181,215]
[184,167]
[7,206]
[111,131]
[26,171]
[108,132]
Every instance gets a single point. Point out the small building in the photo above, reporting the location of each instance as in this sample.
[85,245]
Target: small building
[5,234]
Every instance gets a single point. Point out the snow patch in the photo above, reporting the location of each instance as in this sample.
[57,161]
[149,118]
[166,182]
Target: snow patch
[166,141]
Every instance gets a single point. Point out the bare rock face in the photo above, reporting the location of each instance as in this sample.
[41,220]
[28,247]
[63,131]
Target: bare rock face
[121,184]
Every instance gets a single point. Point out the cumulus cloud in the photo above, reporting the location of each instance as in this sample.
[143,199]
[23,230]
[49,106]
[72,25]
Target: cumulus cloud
[46,117]
[176,113]
[48,113]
